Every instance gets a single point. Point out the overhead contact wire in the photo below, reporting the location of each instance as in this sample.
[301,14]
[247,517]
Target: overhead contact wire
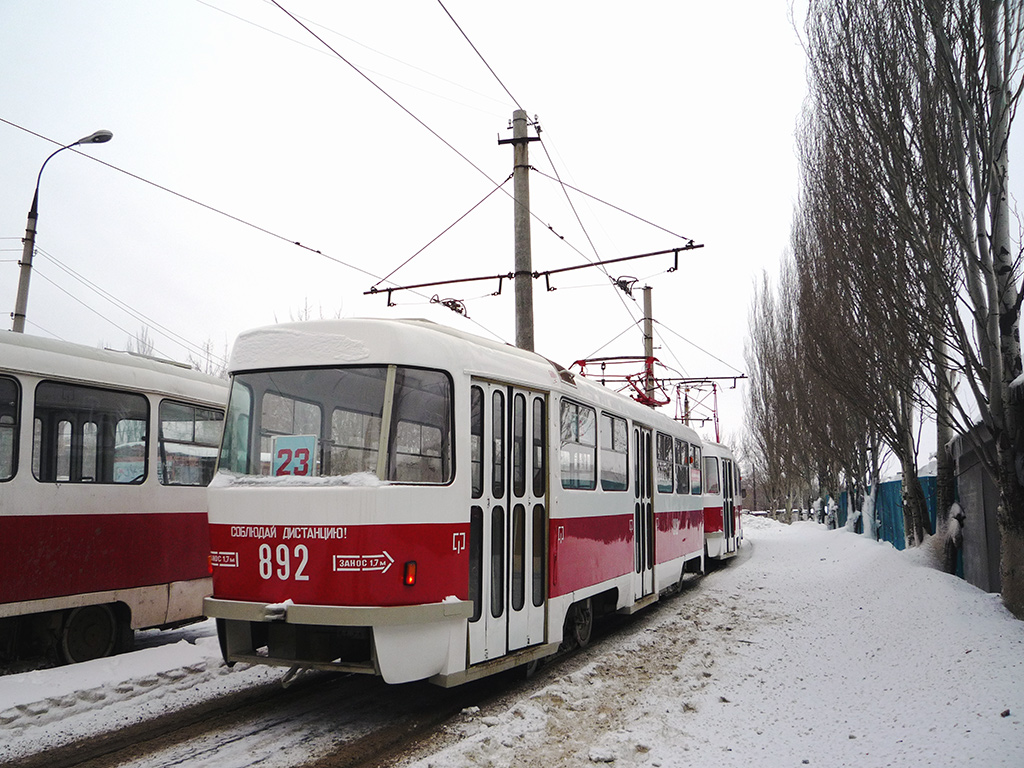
[390,98]
[477,52]
[443,232]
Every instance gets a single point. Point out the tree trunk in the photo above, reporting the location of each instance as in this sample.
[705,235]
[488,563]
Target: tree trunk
[1008,432]
[916,524]
[1011,566]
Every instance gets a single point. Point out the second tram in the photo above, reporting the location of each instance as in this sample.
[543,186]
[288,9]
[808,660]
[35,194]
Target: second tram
[104,462]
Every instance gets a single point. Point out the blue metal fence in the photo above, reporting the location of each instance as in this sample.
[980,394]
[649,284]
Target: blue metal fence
[889,509]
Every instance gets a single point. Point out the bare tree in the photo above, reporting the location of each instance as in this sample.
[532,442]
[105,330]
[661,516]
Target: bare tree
[925,91]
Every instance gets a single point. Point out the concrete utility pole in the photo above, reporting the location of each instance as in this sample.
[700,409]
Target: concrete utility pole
[648,346]
[521,220]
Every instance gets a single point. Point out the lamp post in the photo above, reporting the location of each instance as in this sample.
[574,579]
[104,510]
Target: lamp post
[21,305]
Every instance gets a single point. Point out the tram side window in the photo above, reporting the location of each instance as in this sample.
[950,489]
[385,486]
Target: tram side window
[234,450]
[519,445]
[89,435]
[664,462]
[712,483]
[682,462]
[579,446]
[9,409]
[540,441]
[614,437]
[422,450]
[476,440]
[189,438]
[695,475]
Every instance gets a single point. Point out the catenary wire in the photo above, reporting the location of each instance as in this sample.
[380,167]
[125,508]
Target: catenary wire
[212,209]
[443,232]
[45,330]
[477,52]
[390,98]
[96,312]
[322,52]
[700,348]
[617,208]
[177,338]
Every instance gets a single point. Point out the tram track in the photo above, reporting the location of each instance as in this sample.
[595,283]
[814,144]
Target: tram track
[341,720]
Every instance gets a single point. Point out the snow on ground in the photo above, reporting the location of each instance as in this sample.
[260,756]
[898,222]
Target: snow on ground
[816,647]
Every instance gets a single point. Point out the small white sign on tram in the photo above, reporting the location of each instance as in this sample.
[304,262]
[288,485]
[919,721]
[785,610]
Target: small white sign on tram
[294,455]
[381,562]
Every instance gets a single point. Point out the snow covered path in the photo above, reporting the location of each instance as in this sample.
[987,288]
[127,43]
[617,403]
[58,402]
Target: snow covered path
[820,648]
[816,648]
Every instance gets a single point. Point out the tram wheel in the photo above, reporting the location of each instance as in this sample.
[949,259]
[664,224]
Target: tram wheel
[582,622]
[88,633]
[529,669]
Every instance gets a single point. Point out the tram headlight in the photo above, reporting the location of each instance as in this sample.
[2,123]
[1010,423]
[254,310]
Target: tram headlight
[410,573]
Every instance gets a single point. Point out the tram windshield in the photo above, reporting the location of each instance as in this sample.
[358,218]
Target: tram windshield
[333,422]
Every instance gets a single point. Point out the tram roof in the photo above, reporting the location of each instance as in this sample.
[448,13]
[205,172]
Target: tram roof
[374,341]
[37,356]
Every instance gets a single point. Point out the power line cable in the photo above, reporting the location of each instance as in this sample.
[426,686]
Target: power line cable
[218,211]
[617,208]
[390,98]
[397,103]
[45,330]
[60,288]
[322,52]
[177,338]
[442,233]
[700,348]
[192,200]
[477,52]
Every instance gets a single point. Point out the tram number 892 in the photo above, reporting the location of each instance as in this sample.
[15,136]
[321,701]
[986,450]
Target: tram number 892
[283,559]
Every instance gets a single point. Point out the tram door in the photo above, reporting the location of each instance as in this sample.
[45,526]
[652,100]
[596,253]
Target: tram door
[728,505]
[643,513]
[508,519]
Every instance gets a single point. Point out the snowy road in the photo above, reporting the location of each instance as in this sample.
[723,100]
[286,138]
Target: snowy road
[820,648]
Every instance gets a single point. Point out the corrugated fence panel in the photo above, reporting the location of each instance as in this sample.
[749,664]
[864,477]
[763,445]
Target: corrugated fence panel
[890,509]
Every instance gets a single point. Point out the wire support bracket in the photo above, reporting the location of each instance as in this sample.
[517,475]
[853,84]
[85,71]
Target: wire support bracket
[546,274]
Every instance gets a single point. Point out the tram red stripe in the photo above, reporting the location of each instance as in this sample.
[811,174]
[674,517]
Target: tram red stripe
[344,565]
[54,555]
[679,534]
[590,550]
[714,520]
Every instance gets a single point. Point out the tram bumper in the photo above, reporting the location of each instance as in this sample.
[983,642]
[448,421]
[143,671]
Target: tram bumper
[400,643]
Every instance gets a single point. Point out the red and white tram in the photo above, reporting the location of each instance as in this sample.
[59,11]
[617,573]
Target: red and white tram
[104,459]
[722,503]
[399,498]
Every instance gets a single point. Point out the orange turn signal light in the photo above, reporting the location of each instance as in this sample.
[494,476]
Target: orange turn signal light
[410,573]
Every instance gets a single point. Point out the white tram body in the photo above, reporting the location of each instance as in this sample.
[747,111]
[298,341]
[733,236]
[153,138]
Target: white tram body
[722,503]
[395,497]
[104,459]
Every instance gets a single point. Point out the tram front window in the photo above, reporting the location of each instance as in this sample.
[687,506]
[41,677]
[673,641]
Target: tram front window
[388,421]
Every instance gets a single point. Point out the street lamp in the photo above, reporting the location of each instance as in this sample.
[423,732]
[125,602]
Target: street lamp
[21,305]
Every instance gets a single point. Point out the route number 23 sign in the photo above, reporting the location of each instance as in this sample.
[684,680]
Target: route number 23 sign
[295,455]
